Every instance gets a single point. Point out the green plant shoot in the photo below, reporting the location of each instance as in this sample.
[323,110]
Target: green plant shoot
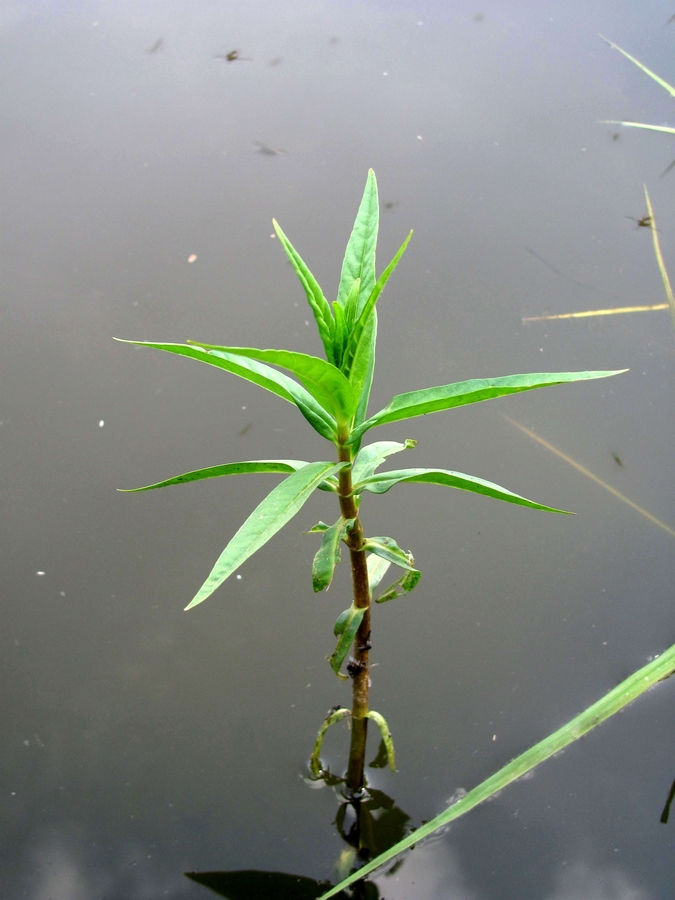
[332,394]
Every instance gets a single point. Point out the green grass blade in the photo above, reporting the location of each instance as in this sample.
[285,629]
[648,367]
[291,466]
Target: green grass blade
[614,701]
[328,554]
[449,396]
[359,261]
[322,379]
[315,297]
[345,630]
[387,548]
[357,333]
[260,374]
[266,519]
[638,125]
[236,468]
[659,258]
[381,483]
[373,455]
[652,75]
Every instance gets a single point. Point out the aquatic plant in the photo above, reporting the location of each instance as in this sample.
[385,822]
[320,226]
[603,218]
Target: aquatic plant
[332,394]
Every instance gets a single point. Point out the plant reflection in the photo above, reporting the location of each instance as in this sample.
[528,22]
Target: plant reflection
[369,825]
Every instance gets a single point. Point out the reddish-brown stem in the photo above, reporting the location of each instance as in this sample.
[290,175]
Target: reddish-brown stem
[359,665]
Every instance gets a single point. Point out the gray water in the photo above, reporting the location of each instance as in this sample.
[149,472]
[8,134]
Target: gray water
[140,742]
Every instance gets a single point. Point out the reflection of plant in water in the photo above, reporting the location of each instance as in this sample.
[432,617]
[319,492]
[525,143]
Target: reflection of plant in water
[332,394]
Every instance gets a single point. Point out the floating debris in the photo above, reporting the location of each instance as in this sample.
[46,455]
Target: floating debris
[598,312]
[266,150]
[192,258]
[159,43]
[233,56]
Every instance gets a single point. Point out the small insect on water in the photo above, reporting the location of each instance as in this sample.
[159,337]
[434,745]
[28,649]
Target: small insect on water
[233,56]
[617,459]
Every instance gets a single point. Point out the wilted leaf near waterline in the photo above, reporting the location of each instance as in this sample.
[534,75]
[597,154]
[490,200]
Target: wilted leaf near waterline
[387,548]
[237,468]
[345,629]
[449,396]
[266,519]
[322,379]
[335,715]
[406,583]
[607,706]
[383,481]
[328,554]
[260,374]
[315,297]
[386,736]
[359,259]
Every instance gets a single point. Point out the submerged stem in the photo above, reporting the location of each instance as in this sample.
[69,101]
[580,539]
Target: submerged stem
[358,665]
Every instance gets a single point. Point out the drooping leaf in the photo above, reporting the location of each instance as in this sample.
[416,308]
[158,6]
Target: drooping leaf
[386,736]
[387,548]
[335,715]
[448,396]
[237,468]
[377,569]
[328,554]
[612,702]
[260,374]
[357,333]
[266,519]
[406,583]
[345,629]
[315,297]
[322,379]
[383,481]
[359,261]
[373,455]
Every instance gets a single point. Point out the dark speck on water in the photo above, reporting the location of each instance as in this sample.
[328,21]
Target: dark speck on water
[159,43]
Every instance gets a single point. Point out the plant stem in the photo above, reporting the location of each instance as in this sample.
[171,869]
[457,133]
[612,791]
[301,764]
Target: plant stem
[360,674]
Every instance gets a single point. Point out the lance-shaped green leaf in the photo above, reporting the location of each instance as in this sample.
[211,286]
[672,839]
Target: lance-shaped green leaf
[448,396]
[266,519]
[322,379]
[340,334]
[373,455]
[260,374]
[237,468]
[386,736]
[383,481]
[335,715]
[359,261]
[328,554]
[612,702]
[345,629]
[358,334]
[406,583]
[377,569]
[387,548]
[363,369]
[315,297]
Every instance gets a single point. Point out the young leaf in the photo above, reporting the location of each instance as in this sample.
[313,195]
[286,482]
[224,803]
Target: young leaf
[262,375]
[406,583]
[612,702]
[382,482]
[237,468]
[377,569]
[340,334]
[386,736]
[359,261]
[328,555]
[345,630]
[357,332]
[323,380]
[372,456]
[266,519]
[448,396]
[387,548]
[315,297]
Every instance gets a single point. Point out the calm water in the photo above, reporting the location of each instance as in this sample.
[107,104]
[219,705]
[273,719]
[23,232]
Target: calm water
[140,742]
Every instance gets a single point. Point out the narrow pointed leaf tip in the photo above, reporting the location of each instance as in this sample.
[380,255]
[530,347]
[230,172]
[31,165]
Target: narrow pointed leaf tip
[266,519]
